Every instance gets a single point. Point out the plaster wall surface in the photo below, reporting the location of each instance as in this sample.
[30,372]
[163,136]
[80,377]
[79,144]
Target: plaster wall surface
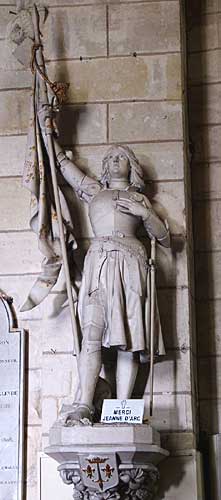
[124,61]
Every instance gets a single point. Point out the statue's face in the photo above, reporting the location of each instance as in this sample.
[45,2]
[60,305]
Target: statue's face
[118,164]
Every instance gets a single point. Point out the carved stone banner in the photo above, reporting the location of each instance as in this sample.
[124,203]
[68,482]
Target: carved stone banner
[11,403]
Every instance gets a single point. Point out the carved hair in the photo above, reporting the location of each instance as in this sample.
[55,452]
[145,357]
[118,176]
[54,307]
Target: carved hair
[135,174]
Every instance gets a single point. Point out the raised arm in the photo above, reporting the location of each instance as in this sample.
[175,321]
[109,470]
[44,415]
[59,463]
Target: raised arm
[86,187]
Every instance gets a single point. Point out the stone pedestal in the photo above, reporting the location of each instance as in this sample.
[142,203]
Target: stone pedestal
[104,461]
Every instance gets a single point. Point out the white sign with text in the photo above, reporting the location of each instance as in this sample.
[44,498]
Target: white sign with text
[125,411]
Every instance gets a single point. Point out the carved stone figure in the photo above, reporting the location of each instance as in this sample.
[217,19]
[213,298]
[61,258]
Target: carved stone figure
[116,306]
[114,299]
[113,304]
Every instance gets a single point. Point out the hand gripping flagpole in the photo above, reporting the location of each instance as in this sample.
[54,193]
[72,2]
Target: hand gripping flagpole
[51,153]
[152,317]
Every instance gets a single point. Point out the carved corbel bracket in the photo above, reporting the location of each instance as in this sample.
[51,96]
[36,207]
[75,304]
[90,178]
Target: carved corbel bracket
[102,477]
[107,461]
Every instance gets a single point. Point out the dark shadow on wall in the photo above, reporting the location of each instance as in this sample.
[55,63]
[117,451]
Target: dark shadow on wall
[201,156]
[172,473]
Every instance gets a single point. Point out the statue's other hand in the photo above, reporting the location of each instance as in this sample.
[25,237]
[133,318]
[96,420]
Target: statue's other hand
[132,207]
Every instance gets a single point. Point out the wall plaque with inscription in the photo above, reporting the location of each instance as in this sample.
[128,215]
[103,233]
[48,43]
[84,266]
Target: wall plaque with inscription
[11,403]
[122,411]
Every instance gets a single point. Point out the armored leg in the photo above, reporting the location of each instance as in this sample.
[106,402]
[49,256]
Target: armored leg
[92,326]
[90,357]
[127,367]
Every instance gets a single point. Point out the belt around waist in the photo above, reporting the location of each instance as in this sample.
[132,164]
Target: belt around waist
[129,244]
[116,234]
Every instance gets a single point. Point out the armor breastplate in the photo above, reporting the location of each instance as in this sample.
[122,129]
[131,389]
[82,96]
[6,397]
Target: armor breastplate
[107,220]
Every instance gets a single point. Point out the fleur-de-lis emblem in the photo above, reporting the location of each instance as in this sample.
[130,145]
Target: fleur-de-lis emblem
[108,471]
[89,471]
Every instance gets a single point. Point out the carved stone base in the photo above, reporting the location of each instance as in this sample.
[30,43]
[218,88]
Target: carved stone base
[108,461]
[134,483]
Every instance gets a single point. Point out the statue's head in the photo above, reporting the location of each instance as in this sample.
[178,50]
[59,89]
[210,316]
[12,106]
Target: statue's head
[121,162]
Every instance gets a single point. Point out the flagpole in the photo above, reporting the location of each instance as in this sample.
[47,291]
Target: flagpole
[152,318]
[51,153]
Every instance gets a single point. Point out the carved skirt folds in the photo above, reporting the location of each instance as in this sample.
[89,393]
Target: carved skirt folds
[115,295]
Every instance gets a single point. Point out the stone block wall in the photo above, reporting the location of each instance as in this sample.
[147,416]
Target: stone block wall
[204,76]
[124,62]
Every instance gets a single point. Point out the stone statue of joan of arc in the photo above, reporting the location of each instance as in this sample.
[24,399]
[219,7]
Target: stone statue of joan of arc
[113,302]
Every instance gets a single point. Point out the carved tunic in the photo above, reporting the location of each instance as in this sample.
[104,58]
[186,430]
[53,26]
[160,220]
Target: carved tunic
[115,277]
